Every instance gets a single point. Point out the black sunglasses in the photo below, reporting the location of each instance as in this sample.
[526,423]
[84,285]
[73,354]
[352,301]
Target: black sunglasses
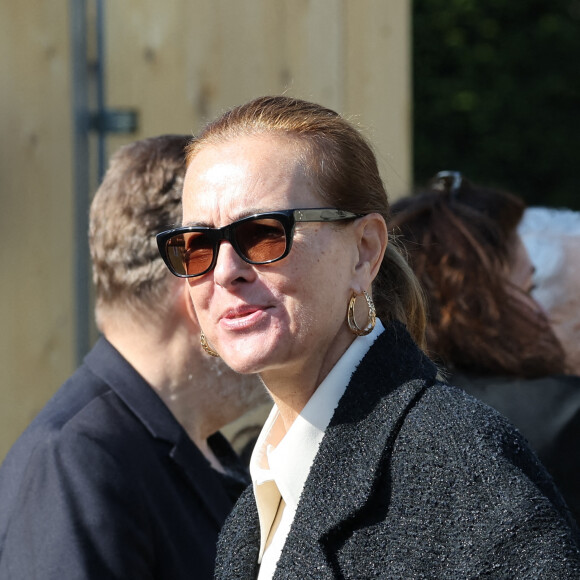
[262,238]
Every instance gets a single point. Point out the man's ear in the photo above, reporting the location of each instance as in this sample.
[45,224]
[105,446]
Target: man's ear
[372,239]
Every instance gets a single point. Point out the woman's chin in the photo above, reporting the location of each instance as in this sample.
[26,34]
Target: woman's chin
[243,365]
[246,357]
[249,352]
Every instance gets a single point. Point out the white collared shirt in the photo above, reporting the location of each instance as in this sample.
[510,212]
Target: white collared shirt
[280,463]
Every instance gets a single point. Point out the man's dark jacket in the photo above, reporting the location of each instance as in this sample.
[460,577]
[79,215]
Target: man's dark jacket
[414,479]
[106,484]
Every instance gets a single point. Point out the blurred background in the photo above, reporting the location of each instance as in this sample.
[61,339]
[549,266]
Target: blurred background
[491,89]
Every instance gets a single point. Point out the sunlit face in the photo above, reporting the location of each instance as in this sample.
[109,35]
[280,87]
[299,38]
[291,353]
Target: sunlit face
[276,319]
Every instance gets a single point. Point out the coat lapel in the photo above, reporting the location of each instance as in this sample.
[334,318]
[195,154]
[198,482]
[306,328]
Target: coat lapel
[356,445]
[242,531]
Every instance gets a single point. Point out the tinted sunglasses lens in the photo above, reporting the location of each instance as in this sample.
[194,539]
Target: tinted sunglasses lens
[198,253]
[190,254]
[174,250]
[261,240]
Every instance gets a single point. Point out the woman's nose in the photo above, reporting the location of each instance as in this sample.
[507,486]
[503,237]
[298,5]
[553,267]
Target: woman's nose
[230,268]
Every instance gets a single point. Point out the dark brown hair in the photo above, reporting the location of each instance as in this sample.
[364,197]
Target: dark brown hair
[140,196]
[459,242]
[343,170]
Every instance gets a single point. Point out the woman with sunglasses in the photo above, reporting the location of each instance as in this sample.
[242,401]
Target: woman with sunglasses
[368,466]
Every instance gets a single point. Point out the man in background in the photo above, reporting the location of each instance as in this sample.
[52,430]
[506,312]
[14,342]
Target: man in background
[122,474]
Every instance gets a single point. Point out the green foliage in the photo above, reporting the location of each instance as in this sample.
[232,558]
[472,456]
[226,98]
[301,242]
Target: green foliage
[497,94]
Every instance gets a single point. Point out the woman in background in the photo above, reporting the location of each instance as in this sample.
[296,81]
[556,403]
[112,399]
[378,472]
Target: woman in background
[484,326]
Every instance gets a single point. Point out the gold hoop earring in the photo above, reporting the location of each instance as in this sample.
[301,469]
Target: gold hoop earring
[372,316]
[205,345]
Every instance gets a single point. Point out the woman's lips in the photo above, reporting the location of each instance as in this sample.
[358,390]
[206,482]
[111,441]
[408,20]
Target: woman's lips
[242,318]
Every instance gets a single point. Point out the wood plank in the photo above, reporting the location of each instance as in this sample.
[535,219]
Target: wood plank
[36,226]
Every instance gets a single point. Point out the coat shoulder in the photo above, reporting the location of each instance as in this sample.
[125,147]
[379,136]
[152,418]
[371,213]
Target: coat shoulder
[445,422]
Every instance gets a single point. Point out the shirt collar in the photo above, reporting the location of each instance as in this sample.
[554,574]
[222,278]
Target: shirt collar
[288,463]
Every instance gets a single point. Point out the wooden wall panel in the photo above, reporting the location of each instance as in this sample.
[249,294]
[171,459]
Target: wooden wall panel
[378,84]
[186,66]
[313,43]
[36,227]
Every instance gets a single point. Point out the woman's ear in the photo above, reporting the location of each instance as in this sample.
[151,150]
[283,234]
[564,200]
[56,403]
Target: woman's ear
[372,239]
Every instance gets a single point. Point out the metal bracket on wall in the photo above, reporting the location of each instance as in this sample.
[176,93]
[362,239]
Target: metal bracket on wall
[115,121]
[89,88]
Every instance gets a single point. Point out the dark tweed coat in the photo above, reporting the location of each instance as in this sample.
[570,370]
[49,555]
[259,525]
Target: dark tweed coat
[546,410]
[414,479]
